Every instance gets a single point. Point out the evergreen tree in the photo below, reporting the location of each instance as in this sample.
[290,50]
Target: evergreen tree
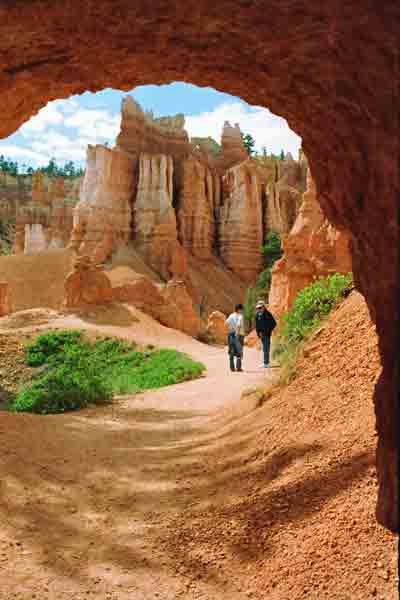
[249,143]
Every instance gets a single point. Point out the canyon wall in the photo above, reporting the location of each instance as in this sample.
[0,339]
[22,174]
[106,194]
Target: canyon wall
[209,199]
[312,249]
[40,209]
[102,217]
[240,221]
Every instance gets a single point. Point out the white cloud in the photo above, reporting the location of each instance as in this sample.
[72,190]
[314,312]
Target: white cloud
[47,116]
[94,123]
[61,147]
[19,152]
[63,130]
[266,128]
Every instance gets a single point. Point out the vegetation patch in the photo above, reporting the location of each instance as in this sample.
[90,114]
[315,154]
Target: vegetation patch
[272,250]
[72,372]
[311,305]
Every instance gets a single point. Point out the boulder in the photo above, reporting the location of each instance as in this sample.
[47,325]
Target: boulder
[5,300]
[181,313]
[86,284]
[216,328]
[252,340]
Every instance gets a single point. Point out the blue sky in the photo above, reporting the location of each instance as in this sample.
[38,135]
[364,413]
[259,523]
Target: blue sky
[64,128]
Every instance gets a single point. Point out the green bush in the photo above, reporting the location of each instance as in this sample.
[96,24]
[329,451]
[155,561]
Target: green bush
[272,248]
[77,372]
[311,304]
[50,344]
[272,251]
[161,368]
[61,390]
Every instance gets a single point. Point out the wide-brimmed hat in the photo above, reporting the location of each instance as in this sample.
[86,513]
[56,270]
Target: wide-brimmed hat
[260,304]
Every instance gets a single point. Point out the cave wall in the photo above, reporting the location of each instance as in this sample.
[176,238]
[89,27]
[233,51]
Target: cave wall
[300,59]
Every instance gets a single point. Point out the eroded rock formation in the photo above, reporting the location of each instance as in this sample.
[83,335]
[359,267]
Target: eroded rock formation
[345,114]
[86,284]
[283,194]
[155,229]
[40,228]
[181,313]
[216,328]
[240,221]
[5,299]
[102,218]
[313,248]
[161,191]
[196,214]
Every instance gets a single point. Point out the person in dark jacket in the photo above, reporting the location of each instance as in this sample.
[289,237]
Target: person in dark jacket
[265,324]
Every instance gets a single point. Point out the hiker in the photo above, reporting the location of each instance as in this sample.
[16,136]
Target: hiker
[265,324]
[235,326]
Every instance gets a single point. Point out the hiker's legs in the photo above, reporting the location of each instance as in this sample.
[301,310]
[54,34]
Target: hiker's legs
[266,342]
[239,350]
[231,351]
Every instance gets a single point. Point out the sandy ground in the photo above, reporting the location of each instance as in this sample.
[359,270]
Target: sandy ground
[192,492]
[82,495]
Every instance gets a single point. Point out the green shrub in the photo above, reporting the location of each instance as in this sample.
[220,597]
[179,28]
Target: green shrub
[272,251]
[49,344]
[61,390]
[272,248]
[312,303]
[77,373]
[161,368]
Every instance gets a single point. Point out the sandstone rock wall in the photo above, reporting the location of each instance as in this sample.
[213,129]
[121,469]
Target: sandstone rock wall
[5,299]
[86,284]
[283,195]
[313,248]
[40,228]
[154,222]
[240,221]
[102,218]
[142,133]
[216,327]
[196,214]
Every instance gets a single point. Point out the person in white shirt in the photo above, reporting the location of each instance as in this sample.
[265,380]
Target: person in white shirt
[235,324]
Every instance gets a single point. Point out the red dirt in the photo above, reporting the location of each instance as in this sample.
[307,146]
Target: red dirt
[190,492]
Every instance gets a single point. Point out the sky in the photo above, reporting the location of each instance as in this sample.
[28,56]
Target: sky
[63,128]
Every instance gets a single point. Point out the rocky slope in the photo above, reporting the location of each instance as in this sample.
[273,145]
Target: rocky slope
[313,248]
[291,511]
[207,495]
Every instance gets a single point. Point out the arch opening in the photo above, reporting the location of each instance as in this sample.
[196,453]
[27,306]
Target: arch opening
[311,76]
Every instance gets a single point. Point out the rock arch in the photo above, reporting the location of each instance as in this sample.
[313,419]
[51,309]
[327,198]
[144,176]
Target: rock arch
[329,68]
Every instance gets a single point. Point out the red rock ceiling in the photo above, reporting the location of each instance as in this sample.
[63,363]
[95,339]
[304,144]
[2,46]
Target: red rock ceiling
[330,68]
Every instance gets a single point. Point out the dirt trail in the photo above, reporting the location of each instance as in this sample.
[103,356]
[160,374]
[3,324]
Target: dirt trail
[85,497]
[189,492]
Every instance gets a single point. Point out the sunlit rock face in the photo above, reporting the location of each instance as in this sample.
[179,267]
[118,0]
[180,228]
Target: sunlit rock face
[240,226]
[196,214]
[102,218]
[5,298]
[312,249]
[283,194]
[141,132]
[86,284]
[154,222]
